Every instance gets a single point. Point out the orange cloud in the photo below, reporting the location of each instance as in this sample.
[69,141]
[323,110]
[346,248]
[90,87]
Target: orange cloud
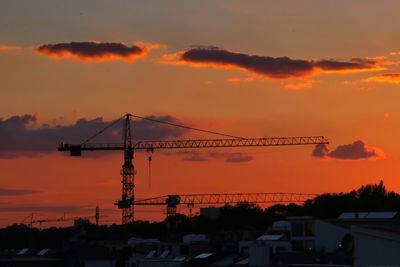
[96,51]
[300,85]
[394,53]
[358,150]
[8,47]
[269,67]
[236,79]
[384,78]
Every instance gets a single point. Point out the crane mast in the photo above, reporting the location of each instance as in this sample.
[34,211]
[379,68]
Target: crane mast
[128,175]
[126,203]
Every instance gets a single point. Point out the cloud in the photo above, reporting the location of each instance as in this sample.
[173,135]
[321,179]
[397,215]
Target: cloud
[194,156]
[8,47]
[300,85]
[96,51]
[55,209]
[232,157]
[16,192]
[384,78]
[394,53]
[269,67]
[235,79]
[238,157]
[235,157]
[25,136]
[355,151]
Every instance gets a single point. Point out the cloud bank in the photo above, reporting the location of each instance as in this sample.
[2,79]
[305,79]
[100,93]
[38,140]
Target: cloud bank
[16,192]
[384,78]
[25,136]
[96,51]
[55,209]
[269,67]
[355,151]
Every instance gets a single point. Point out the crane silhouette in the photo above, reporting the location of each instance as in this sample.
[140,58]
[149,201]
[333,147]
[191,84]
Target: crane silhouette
[128,147]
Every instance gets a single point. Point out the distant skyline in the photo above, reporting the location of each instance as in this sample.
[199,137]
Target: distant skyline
[251,69]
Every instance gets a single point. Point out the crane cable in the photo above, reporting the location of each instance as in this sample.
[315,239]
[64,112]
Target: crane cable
[163,122]
[101,131]
[180,126]
[187,127]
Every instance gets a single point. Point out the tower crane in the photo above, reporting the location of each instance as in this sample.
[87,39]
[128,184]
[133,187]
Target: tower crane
[172,201]
[32,221]
[128,147]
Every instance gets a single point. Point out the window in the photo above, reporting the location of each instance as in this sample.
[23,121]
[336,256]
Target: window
[309,229]
[298,244]
[244,251]
[280,249]
[184,250]
[303,229]
[297,229]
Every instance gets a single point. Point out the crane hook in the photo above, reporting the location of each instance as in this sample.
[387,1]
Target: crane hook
[149,158]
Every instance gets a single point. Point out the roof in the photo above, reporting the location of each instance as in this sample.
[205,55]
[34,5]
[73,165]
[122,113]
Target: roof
[164,254]
[243,262]
[135,241]
[42,252]
[150,254]
[23,251]
[270,237]
[203,255]
[392,227]
[368,215]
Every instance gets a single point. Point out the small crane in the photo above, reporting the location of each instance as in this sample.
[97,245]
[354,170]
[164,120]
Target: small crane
[32,221]
[128,147]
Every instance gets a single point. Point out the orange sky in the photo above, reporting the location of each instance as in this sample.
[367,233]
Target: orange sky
[343,106]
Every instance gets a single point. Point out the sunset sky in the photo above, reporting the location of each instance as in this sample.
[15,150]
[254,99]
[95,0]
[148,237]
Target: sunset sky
[246,68]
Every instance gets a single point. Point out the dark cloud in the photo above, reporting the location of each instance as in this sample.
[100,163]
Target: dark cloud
[271,67]
[193,155]
[55,209]
[355,151]
[236,157]
[16,192]
[95,51]
[24,136]
[320,151]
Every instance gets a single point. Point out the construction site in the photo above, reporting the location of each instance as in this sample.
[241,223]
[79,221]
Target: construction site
[199,133]
[208,229]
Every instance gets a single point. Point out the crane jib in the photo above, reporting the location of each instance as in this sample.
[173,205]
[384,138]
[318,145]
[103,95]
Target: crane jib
[76,150]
